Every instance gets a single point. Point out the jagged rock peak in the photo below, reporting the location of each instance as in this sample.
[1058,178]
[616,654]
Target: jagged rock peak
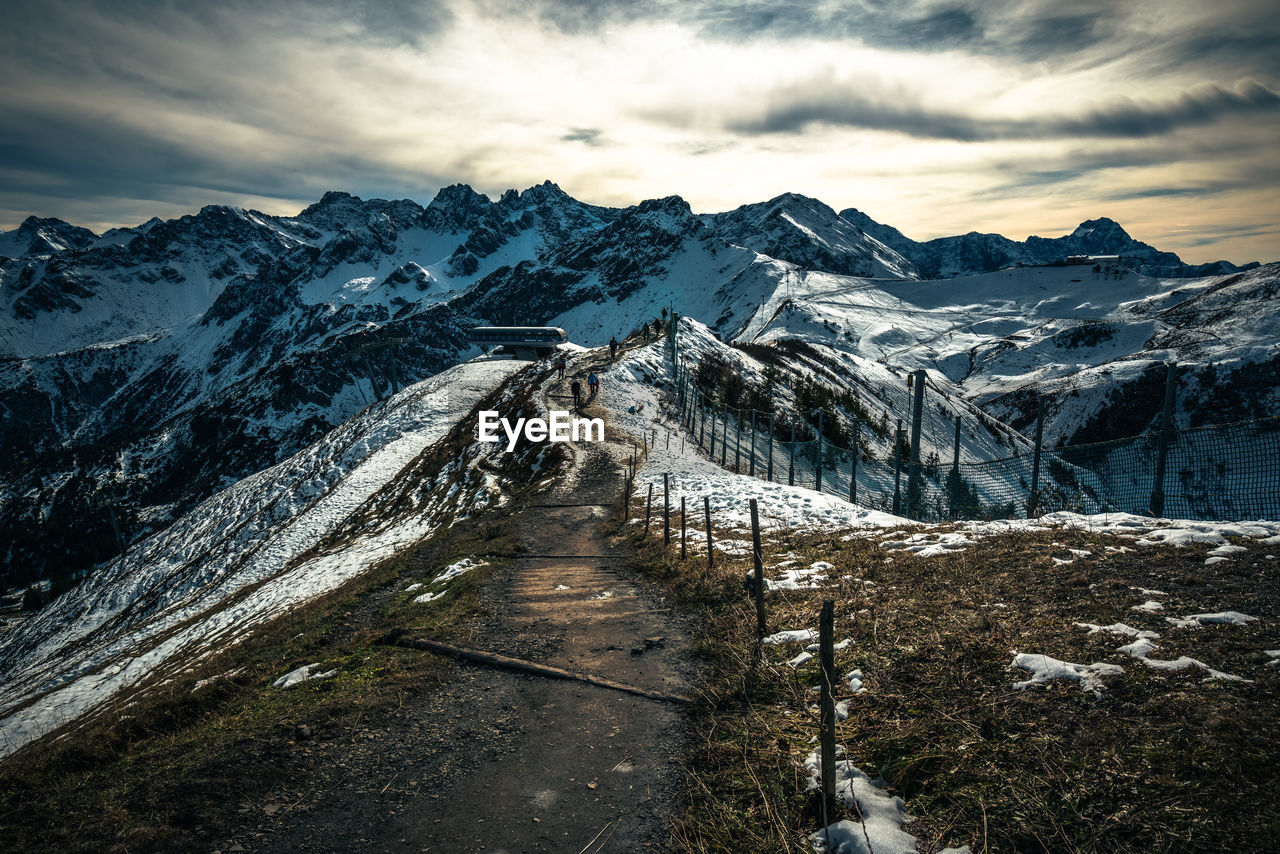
[218,212]
[339,210]
[33,223]
[789,200]
[1103,226]
[334,196]
[459,196]
[53,233]
[329,202]
[457,207]
[544,192]
[674,205]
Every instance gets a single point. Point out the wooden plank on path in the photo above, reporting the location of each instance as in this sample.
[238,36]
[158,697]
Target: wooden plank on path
[493,659]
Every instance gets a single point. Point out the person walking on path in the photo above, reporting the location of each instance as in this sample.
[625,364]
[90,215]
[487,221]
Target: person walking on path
[644,332]
[576,388]
[560,365]
[593,383]
[613,349]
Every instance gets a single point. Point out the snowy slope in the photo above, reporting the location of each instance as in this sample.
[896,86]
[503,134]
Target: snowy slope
[975,252]
[150,367]
[246,555]
[1080,338]
[43,236]
[809,234]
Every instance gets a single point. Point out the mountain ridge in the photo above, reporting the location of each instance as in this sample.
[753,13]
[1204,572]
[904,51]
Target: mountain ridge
[146,371]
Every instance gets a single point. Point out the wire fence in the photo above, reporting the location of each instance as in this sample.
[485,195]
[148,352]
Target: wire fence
[1223,471]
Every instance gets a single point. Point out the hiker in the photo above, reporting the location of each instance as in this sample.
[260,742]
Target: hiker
[613,348]
[644,332]
[593,383]
[576,388]
[560,365]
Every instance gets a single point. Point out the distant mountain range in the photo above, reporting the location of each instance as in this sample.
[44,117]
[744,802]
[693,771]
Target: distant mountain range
[146,368]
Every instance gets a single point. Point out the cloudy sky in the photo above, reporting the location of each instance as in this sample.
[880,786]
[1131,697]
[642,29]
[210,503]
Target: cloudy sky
[1019,117]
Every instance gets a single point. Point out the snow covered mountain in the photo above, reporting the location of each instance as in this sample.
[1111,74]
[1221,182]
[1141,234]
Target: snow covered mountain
[146,369]
[810,235]
[44,236]
[966,254]
[381,482]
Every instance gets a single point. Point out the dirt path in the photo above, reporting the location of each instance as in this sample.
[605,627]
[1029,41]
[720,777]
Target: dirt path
[505,762]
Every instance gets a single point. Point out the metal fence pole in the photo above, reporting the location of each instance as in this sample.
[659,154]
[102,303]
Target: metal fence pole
[752,465]
[955,473]
[769,473]
[791,467]
[702,420]
[712,452]
[724,438]
[737,442]
[897,469]
[853,463]
[1166,435]
[1033,502]
[819,461]
[915,489]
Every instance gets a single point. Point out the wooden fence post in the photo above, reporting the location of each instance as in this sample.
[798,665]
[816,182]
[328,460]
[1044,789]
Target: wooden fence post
[648,509]
[827,718]
[757,557]
[683,551]
[706,508]
[666,509]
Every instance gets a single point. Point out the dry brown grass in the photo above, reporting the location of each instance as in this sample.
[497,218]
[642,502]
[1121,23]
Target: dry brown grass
[1161,762]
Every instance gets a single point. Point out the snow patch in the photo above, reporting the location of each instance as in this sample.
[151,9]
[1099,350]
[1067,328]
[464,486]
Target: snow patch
[305,673]
[1044,669]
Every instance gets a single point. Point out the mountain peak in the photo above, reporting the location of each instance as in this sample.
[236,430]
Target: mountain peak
[43,235]
[333,200]
[794,198]
[1103,226]
[672,205]
[457,195]
[544,192]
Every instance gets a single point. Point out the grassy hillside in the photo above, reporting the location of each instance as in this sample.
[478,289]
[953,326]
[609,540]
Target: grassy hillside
[1159,761]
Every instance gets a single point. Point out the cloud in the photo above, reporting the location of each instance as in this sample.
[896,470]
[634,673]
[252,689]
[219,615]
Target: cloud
[587,136]
[821,102]
[115,110]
